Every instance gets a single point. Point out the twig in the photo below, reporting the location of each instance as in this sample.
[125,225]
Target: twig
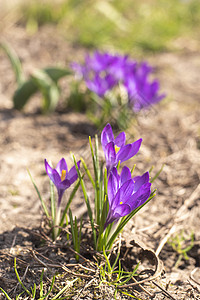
[193,286]
[137,283]
[85,259]
[86,286]
[192,276]
[57,266]
[164,291]
[165,239]
[13,243]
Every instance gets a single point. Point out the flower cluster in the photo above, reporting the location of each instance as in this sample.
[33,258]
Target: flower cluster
[125,194]
[103,71]
[118,196]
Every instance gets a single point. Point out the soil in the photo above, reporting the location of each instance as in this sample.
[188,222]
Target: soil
[171,136]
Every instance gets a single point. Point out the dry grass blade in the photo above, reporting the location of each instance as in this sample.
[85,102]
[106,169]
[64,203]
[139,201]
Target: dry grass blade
[56,265]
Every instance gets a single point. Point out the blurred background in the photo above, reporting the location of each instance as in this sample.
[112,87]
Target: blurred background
[130,26]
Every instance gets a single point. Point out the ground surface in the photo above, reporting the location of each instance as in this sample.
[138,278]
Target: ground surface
[170,133]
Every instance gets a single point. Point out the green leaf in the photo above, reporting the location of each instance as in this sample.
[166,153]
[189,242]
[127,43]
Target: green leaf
[15,62]
[86,200]
[69,202]
[40,197]
[56,73]
[88,172]
[33,85]
[23,93]
[48,88]
[100,241]
[72,227]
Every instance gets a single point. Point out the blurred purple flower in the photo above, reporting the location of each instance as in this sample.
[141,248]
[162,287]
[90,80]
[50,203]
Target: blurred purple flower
[99,62]
[60,176]
[103,71]
[141,92]
[109,145]
[100,85]
[125,194]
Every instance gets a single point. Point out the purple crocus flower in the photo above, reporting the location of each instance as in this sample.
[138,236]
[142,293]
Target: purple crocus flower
[141,92]
[125,194]
[103,71]
[109,144]
[60,176]
[100,85]
[99,62]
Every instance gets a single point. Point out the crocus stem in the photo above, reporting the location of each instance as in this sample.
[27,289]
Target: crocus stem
[113,228]
[57,222]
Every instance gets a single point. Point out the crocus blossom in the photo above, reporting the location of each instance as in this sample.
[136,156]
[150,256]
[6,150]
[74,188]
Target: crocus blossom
[61,177]
[100,85]
[125,193]
[110,145]
[103,71]
[141,92]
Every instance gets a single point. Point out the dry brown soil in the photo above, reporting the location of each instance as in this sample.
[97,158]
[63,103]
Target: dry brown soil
[171,136]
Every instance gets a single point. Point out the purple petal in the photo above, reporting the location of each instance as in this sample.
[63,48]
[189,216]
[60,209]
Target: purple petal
[140,180]
[120,139]
[125,175]
[134,148]
[52,173]
[62,165]
[78,69]
[65,184]
[123,153]
[113,185]
[110,155]
[140,197]
[72,175]
[122,210]
[110,218]
[107,135]
[125,192]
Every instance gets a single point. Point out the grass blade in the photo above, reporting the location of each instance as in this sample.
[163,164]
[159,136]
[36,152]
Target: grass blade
[41,284]
[69,202]
[15,62]
[19,280]
[86,201]
[39,195]
[88,172]
[157,174]
[96,171]
[5,294]
[64,289]
[72,226]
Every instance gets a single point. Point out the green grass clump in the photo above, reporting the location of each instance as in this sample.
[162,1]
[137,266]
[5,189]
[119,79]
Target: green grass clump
[124,25]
